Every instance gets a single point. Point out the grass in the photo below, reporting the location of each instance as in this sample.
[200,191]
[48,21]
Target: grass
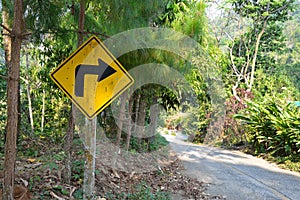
[291,162]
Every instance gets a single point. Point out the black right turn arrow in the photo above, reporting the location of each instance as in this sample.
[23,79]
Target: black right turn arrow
[103,70]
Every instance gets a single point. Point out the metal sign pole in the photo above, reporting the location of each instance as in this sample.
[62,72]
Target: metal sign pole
[89,164]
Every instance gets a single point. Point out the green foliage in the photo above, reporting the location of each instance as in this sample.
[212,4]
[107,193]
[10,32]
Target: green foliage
[38,20]
[280,84]
[61,189]
[129,14]
[143,192]
[78,169]
[78,194]
[233,131]
[158,142]
[168,99]
[290,162]
[273,127]
[148,145]
[172,9]
[292,32]
[192,21]
[293,72]
[33,180]
[50,107]
[259,10]
[249,52]
[274,80]
[272,47]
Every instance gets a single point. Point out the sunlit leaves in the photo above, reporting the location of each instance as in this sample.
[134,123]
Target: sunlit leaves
[273,126]
[125,15]
[43,16]
[258,10]
[193,22]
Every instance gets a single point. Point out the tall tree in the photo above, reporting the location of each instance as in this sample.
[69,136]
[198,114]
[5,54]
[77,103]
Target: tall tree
[121,16]
[263,37]
[13,101]
[38,22]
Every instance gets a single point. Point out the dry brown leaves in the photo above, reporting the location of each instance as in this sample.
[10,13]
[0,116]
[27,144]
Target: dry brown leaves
[170,178]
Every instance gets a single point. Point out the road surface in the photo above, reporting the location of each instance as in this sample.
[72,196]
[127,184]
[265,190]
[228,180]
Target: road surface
[236,175]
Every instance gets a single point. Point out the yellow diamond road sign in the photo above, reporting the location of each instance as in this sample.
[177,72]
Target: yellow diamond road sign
[91,77]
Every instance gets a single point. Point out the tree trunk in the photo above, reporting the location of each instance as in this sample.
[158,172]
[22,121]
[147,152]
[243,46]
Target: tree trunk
[12,102]
[43,110]
[81,22]
[68,145]
[6,37]
[29,97]
[71,123]
[255,55]
[153,118]
[30,108]
[141,118]
[129,123]
[121,117]
[136,109]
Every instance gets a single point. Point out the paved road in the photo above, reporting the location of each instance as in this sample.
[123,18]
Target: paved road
[236,175]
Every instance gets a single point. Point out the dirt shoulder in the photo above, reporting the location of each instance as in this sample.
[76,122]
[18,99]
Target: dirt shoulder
[45,180]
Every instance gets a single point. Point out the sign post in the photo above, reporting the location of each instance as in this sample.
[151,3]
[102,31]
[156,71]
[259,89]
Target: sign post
[90,154]
[92,78]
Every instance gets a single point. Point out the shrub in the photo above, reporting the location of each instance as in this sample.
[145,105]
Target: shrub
[273,127]
[233,131]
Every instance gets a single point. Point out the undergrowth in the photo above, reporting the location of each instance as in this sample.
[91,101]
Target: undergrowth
[291,162]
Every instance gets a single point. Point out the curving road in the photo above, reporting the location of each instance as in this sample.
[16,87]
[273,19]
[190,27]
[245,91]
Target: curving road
[236,175]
